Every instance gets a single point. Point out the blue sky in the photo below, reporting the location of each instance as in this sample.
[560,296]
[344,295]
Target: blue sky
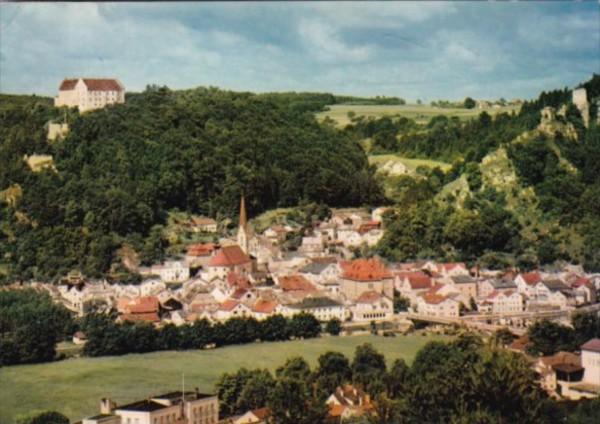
[424,50]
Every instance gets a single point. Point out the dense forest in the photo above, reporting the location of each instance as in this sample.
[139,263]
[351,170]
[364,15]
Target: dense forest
[122,168]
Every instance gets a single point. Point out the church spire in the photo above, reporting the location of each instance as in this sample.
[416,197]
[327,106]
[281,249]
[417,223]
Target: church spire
[243,216]
[243,235]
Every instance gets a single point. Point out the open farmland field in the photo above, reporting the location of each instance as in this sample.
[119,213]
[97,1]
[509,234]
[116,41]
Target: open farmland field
[74,386]
[420,113]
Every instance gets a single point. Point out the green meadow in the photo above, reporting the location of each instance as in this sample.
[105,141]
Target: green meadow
[74,387]
[420,113]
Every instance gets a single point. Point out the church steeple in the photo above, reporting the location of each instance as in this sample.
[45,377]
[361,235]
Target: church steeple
[242,235]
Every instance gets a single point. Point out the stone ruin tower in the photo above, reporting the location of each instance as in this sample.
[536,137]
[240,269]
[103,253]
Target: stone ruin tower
[580,100]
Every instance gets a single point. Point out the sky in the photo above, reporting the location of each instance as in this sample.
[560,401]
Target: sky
[413,50]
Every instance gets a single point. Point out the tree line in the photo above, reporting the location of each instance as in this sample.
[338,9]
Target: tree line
[462,381]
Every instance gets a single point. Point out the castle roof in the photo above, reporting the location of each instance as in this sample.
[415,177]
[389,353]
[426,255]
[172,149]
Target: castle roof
[92,84]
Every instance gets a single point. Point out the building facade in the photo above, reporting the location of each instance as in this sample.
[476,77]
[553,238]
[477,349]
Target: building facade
[89,93]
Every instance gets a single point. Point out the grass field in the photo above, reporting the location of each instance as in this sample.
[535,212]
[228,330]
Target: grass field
[411,164]
[75,386]
[420,113]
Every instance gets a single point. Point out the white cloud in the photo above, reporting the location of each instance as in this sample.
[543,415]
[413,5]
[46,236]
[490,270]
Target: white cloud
[326,44]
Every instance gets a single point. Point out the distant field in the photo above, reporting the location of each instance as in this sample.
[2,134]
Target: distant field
[74,386]
[411,164]
[421,114]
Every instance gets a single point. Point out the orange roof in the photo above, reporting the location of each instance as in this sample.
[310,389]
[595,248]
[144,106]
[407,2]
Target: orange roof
[201,249]
[336,410]
[451,265]
[261,413]
[229,256]
[234,279]
[368,226]
[228,305]
[369,297]
[532,278]
[295,282]
[264,306]
[366,270]
[142,305]
[416,279]
[239,293]
[68,84]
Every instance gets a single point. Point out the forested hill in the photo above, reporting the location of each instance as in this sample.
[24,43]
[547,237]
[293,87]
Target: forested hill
[122,168]
[522,191]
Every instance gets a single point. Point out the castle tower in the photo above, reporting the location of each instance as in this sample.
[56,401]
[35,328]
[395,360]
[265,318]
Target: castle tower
[243,233]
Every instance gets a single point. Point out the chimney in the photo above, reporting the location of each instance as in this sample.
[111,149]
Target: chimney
[107,406]
[197,393]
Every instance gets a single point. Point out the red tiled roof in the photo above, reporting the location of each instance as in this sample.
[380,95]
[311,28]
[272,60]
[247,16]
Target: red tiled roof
[336,410]
[141,305]
[582,281]
[239,293]
[264,306]
[593,345]
[368,226]
[369,297]
[433,298]
[201,249]
[92,84]
[236,280]
[261,413]
[68,84]
[295,282]
[228,305]
[102,84]
[366,270]
[532,278]
[229,256]
[417,280]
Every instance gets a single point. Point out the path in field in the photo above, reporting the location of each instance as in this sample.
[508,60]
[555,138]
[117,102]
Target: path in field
[74,386]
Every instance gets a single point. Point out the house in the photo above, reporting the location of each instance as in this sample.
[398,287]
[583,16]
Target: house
[264,308]
[451,269]
[584,291]
[227,259]
[255,416]
[312,246]
[57,131]
[172,271]
[412,283]
[465,284]
[199,254]
[505,302]
[89,93]
[323,308]
[554,292]
[232,308]
[277,233]
[320,272]
[204,224]
[38,163]
[372,306]
[377,213]
[141,309]
[527,282]
[558,369]
[190,407]
[348,401]
[363,275]
[295,283]
[486,286]
[590,383]
[438,305]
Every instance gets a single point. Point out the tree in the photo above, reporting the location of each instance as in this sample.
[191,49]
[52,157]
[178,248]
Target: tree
[502,337]
[368,368]
[47,417]
[398,379]
[586,326]
[275,327]
[334,326]
[292,403]
[401,303]
[294,368]
[304,325]
[256,391]
[548,337]
[469,103]
[332,371]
